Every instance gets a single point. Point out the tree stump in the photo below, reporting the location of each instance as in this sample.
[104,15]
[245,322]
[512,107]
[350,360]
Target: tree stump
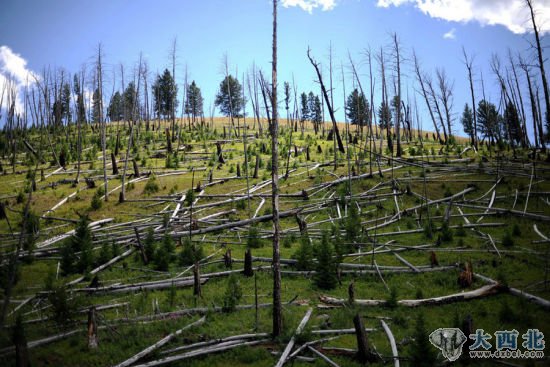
[196,280]
[92,329]
[227,260]
[113,161]
[364,353]
[20,341]
[219,153]
[351,293]
[238,170]
[168,141]
[136,168]
[256,167]
[433,259]
[248,271]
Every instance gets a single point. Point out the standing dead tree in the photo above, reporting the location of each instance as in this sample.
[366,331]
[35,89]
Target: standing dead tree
[329,105]
[277,311]
[420,78]
[468,62]
[540,63]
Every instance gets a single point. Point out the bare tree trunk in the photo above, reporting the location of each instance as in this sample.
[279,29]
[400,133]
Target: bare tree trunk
[398,105]
[102,123]
[420,79]
[525,68]
[277,311]
[329,106]
[92,329]
[468,62]
[541,65]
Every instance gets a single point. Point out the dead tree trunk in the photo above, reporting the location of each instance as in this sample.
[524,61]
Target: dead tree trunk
[541,63]
[197,280]
[136,168]
[92,329]
[113,162]
[364,353]
[329,106]
[277,311]
[248,270]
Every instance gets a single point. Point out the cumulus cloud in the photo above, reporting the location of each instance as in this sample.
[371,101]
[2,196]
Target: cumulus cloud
[451,35]
[513,14]
[14,73]
[309,5]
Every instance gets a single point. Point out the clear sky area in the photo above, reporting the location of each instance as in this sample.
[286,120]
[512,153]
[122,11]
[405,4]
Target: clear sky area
[66,33]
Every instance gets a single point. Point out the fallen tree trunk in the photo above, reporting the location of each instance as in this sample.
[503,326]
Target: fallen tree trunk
[391,339]
[463,296]
[517,292]
[290,344]
[159,344]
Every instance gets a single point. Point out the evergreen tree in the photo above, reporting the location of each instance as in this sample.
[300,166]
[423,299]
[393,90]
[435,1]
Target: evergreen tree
[304,255]
[422,353]
[353,222]
[512,123]
[96,105]
[488,120]
[357,108]
[467,121]
[79,242]
[66,102]
[165,93]
[194,101]
[116,108]
[80,108]
[385,116]
[230,98]
[149,245]
[304,108]
[326,276]
[233,294]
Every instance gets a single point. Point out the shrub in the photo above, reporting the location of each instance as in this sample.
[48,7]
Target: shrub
[96,202]
[304,255]
[325,277]
[507,240]
[391,301]
[233,294]
[254,240]
[190,253]
[151,186]
[422,352]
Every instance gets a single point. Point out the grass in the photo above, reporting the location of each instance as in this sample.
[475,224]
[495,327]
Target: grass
[521,264]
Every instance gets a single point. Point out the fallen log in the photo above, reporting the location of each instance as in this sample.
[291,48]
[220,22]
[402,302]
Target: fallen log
[212,349]
[391,339]
[517,292]
[159,344]
[463,296]
[290,344]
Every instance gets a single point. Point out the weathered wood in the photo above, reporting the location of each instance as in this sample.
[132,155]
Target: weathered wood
[484,291]
[248,271]
[290,344]
[364,353]
[92,329]
[130,361]
[212,349]
[393,345]
[323,357]
[196,281]
[517,292]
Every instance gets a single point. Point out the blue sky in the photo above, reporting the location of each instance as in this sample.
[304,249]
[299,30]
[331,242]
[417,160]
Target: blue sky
[65,33]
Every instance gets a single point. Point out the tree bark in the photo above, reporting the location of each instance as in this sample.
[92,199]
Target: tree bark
[277,311]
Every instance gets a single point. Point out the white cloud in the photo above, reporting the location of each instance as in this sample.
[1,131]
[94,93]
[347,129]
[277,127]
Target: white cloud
[513,14]
[309,5]
[451,35]
[13,70]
